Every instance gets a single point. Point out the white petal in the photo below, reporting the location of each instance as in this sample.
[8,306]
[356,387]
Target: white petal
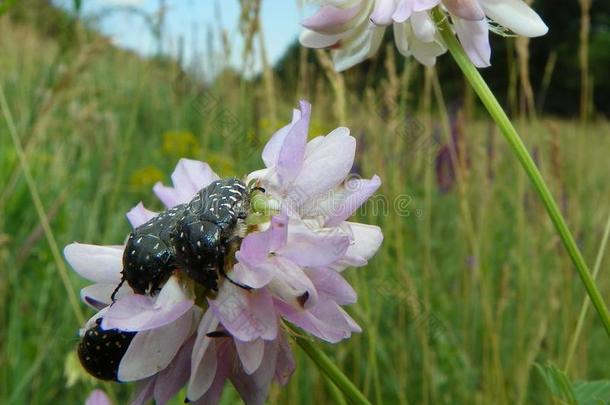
[516,16]
[311,39]
[366,241]
[423,26]
[98,295]
[362,44]
[152,350]
[102,264]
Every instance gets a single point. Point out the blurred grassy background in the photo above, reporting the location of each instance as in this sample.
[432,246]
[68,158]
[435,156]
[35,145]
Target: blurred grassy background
[470,288]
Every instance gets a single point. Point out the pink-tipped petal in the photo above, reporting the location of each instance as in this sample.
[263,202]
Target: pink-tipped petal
[356,192]
[141,312]
[139,215]
[271,151]
[102,264]
[474,36]
[98,397]
[250,354]
[152,350]
[308,248]
[466,9]
[188,178]
[327,163]
[247,315]
[331,20]
[330,283]
[290,158]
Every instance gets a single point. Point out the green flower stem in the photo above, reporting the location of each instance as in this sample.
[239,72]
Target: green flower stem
[331,371]
[516,144]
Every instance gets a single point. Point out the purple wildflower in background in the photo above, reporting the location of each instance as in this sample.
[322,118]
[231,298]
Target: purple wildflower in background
[290,260]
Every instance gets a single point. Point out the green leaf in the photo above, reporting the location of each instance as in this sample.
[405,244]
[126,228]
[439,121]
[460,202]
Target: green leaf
[592,392]
[578,393]
[557,382]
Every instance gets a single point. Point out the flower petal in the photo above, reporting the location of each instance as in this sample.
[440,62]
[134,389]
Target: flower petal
[357,191]
[203,360]
[311,39]
[327,162]
[292,285]
[382,12]
[466,9]
[308,248]
[250,354]
[330,283]
[365,243]
[102,264]
[152,350]
[271,151]
[247,315]
[173,377]
[188,178]
[98,397]
[141,312]
[144,391]
[290,158]
[362,45]
[515,15]
[139,215]
[424,28]
[98,295]
[285,364]
[326,320]
[474,36]
[224,358]
[254,388]
[331,20]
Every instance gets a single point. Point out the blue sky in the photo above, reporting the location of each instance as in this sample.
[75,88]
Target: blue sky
[191,21]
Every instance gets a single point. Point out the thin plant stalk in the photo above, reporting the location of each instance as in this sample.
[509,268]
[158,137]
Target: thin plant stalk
[516,144]
[42,216]
[585,305]
[332,371]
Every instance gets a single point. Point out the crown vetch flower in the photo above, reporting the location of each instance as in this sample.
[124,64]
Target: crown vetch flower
[354,28]
[290,261]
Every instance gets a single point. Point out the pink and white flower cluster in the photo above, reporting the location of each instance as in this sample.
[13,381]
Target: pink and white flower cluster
[292,262]
[354,28]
